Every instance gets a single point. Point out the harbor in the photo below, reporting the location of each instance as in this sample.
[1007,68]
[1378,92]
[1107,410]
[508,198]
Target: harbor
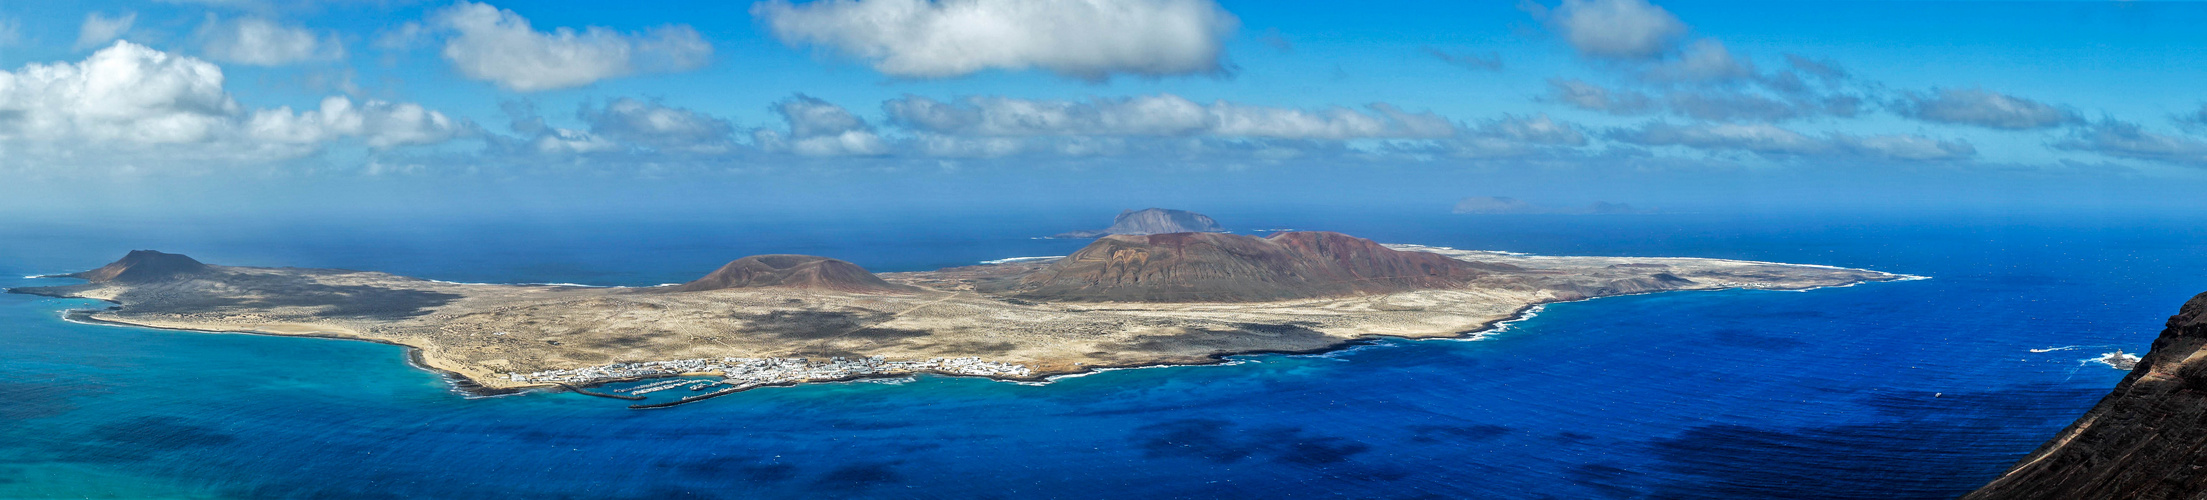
[741,374]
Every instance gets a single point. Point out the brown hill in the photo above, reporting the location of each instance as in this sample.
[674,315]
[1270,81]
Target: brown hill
[1216,267]
[143,266]
[2144,440]
[793,271]
[1152,221]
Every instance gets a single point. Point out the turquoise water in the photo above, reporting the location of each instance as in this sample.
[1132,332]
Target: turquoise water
[1918,389]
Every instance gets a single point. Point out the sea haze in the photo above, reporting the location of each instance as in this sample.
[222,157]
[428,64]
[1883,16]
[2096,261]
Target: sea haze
[1917,389]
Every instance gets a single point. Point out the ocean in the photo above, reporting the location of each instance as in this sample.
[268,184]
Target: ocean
[1916,389]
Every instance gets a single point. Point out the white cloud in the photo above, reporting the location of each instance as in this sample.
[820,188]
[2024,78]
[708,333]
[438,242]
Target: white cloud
[1616,29]
[1668,70]
[659,126]
[1588,96]
[99,29]
[620,131]
[130,105]
[380,124]
[220,3]
[1512,136]
[1382,121]
[1754,137]
[1085,39]
[2128,140]
[969,147]
[1536,129]
[126,92]
[499,46]
[1162,115]
[1702,61]
[405,36]
[1719,103]
[1984,109]
[1906,147]
[261,42]
[1730,105]
[570,141]
[275,6]
[1771,140]
[820,128]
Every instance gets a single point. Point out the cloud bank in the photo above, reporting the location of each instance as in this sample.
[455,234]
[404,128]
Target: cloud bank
[499,46]
[1773,141]
[1982,108]
[1615,29]
[2128,140]
[1161,115]
[131,106]
[1083,39]
[820,128]
[261,42]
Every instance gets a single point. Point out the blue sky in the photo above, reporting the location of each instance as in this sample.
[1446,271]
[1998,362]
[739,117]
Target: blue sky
[379,105]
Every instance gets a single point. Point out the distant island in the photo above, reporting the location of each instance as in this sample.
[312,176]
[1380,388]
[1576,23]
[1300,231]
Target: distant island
[1151,221]
[2143,440]
[1123,301]
[1503,205]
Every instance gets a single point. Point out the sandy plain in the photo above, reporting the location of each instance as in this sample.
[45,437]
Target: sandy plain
[495,337]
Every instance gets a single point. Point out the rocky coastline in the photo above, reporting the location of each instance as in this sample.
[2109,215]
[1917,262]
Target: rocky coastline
[2146,440]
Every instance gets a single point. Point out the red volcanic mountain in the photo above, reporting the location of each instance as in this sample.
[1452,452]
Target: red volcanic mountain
[793,271]
[142,266]
[1217,267]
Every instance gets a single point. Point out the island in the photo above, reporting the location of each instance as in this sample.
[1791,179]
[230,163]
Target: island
[1151,221]
[2144,440]
[1121,301]
[1503,205]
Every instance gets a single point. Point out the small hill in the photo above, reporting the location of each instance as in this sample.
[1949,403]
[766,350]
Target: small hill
[142,266]
[1152,221]
[793,271]
[1216,267]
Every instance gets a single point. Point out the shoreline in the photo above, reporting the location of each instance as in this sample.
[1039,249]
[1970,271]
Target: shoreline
[1482,332]
[455,381]
[471,388]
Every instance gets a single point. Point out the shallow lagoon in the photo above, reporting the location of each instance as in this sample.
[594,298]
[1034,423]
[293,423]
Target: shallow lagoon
[1919,389]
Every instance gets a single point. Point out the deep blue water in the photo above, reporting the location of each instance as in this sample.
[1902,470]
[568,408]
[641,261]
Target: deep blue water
[1919,389]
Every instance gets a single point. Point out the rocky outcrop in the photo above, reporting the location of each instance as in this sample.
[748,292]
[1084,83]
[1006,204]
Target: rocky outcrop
[1152,221]
[1215,267]
[2146,440]
[142,266]
[793,271]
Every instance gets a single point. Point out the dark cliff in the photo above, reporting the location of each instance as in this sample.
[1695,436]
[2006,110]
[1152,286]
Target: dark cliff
[2145,440]
[1215,267]
[1152,221]
[793,271]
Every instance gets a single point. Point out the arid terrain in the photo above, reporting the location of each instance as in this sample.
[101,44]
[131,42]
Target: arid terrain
[2143,440]
[1185,298]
